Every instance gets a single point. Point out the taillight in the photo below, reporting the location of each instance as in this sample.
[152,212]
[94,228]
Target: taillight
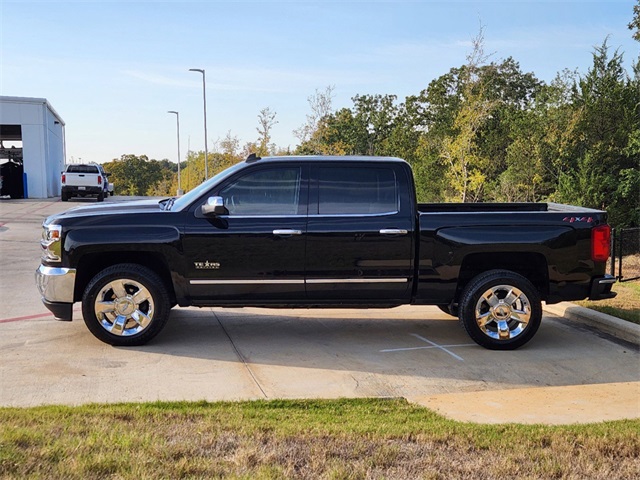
[64,178]
[99,179]
[600,243]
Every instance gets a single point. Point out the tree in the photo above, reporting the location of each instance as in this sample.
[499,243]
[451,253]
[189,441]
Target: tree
[635,23]
[465,160]
[321,106]
[137,175]
[266,121]
[608,102]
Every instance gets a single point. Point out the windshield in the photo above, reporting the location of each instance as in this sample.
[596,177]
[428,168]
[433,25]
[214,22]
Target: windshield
[184,201]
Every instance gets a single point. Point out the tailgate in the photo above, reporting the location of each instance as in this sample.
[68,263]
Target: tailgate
[81,179]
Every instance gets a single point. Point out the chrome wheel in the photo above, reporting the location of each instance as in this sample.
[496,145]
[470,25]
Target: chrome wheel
[503,312]
[500,309]
[124,307]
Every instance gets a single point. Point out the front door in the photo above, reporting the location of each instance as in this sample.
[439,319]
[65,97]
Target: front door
[255,254]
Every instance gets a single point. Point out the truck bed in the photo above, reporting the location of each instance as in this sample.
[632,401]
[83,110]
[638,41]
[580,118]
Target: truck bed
[499,207]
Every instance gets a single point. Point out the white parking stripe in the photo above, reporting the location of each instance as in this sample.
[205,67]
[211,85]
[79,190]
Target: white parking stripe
[432,345]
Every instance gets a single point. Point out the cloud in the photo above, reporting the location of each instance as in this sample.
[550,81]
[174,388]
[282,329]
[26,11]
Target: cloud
[243,79]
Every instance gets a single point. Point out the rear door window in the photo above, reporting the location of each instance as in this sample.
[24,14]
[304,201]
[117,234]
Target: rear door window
[356,191]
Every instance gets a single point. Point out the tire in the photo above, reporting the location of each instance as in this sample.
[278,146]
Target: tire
[494,321]
[112,312]
[111,193]
[101,196]
[449,309]
[64,197]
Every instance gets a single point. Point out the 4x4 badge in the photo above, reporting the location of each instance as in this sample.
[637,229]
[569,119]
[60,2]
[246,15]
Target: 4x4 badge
[207,265]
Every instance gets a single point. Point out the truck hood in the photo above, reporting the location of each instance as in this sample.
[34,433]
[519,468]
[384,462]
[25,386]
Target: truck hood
[120,208]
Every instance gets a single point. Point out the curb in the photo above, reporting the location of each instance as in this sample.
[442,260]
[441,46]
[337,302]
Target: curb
[615,326]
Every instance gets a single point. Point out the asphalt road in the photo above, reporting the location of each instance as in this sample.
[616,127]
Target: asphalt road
[566,374]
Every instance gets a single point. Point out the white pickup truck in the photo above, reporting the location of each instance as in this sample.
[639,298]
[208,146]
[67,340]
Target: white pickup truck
[84,179]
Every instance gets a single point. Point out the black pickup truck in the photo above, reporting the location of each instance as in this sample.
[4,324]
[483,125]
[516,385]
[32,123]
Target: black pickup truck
[320,232]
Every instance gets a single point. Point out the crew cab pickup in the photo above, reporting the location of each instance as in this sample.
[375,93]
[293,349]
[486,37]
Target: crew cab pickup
[320,232]
[84,180]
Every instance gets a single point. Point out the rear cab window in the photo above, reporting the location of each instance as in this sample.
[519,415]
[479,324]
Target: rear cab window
[356,190]
[82,169]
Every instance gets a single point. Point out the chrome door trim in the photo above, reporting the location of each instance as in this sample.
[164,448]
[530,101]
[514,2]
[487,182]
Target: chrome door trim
[353,215]
[312,281]
[357,280]
[244,282]
[261,216]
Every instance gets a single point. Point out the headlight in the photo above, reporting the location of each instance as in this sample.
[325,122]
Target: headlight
[51,243]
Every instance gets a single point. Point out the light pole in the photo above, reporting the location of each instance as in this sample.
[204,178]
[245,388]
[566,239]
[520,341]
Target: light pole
[204,99]
[180,192]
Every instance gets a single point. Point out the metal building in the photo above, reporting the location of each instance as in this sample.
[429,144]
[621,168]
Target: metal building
[32,147]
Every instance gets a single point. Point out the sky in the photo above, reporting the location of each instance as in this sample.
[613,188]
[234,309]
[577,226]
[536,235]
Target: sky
[112,69]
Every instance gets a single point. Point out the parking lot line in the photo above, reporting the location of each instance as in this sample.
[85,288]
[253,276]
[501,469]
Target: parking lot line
[432,345]
[31,317]
[26,317]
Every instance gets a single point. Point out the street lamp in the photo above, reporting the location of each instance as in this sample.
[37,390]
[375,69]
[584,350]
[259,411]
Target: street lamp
[180,192]
[204,98]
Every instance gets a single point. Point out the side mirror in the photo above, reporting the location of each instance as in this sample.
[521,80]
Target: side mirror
[214,206]
[107,174]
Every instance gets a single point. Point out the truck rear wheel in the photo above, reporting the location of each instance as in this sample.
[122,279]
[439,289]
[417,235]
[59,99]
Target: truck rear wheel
[500,310]
[101,196]
[125,305]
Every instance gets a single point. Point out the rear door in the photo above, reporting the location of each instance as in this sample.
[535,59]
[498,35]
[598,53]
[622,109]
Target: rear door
[359,233]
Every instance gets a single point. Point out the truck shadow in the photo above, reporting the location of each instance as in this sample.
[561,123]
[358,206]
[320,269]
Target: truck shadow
[391,344]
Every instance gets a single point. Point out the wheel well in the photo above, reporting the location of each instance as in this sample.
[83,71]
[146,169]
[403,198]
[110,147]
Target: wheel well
[91,264]
[532,266]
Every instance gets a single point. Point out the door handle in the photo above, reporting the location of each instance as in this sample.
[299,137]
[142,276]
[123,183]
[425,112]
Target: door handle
[287,232]
[393,231]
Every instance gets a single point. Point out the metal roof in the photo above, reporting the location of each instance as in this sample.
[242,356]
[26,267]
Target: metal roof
[40,101]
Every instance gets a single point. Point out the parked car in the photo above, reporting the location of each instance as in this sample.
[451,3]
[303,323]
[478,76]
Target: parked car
[82,180]
[321,232]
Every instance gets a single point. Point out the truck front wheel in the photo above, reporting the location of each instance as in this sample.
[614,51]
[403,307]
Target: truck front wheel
[500,310]
[125,305]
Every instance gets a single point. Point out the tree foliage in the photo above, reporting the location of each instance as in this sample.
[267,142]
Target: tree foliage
[137,175]
[266,121]
[635,23]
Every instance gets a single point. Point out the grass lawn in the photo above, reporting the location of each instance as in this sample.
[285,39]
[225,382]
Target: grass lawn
[343,439]
[626,305]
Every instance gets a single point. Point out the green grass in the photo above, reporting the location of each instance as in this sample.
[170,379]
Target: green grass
[625,305]
[343,439]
